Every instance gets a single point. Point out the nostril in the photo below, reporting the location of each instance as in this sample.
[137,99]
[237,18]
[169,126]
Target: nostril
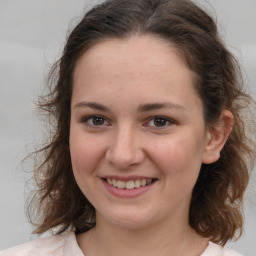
[123,158]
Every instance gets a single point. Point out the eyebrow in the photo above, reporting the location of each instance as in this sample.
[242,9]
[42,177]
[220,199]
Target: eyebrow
[141,108]
[157,106]
[93,105]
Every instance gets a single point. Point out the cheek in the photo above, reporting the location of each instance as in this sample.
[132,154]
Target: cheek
[179,156]
[85,158]
[84,152]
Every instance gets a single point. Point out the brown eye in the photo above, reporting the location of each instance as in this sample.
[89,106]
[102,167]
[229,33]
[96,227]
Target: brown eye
[160,122]
[98,121]
[95,121]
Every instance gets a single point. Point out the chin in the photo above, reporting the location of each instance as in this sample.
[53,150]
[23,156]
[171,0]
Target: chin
[130,220]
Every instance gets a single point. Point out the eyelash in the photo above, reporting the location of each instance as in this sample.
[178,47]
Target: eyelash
[167,121]
[91,117]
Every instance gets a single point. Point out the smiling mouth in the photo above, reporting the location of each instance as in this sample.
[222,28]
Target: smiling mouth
[130,184]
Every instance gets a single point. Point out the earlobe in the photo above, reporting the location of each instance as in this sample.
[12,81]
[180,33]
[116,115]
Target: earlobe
[217,136]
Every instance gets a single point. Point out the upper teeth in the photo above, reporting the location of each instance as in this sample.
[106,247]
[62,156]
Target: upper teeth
[131,184]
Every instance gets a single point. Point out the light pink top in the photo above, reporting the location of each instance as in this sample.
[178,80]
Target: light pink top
[66,245]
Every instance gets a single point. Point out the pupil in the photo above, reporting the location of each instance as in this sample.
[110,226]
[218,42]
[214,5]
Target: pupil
[98,121]
[160,122]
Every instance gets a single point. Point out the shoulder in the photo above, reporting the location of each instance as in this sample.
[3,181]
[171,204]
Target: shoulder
[217,250]
[57,245]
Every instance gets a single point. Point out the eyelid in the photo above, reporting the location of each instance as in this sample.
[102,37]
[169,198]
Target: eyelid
[167,119]
[86,118]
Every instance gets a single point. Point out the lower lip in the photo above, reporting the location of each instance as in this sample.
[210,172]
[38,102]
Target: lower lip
[127,193]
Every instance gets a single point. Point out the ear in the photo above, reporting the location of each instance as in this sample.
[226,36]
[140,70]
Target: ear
[217,136]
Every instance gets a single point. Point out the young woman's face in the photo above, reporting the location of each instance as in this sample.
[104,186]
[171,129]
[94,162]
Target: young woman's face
[137,133]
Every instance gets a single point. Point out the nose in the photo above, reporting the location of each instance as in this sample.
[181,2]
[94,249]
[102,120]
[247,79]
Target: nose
[125,149]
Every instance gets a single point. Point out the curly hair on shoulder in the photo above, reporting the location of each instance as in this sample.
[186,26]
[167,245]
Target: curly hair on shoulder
[216,205]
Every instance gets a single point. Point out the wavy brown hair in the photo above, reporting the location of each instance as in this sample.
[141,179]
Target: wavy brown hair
[216,204]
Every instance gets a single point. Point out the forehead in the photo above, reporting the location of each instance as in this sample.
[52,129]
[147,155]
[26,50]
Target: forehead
[137,65]
[143,53]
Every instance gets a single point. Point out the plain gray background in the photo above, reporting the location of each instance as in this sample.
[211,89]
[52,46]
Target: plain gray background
[32,35]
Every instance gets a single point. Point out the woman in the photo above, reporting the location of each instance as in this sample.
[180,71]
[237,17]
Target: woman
[149,152]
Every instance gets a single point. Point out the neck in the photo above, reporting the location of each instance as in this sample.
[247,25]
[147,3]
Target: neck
[160,239]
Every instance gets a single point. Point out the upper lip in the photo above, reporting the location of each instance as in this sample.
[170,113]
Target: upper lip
[127,178]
